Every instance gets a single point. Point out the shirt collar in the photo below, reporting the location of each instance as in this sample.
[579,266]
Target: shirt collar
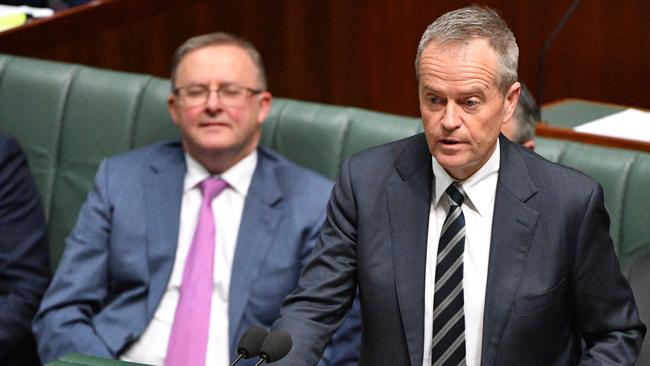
[479,188]
[238,177]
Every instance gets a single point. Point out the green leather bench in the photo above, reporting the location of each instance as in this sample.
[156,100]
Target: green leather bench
[68,117]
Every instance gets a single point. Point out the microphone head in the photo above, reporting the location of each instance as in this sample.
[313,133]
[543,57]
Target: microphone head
[276,346]
[251,341]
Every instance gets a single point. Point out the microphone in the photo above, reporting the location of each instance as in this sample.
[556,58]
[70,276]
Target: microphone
[250,343]
[275,346]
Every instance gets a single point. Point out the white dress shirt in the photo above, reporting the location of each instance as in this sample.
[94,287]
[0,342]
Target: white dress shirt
[478,209]
[228,206]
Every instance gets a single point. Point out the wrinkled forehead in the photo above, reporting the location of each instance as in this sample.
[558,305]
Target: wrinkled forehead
[218,63]
[469,62]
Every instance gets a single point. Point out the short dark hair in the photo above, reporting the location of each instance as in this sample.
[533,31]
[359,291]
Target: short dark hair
[471,22]
[218,39]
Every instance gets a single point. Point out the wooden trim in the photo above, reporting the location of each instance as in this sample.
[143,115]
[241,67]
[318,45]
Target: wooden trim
[546,130]
[563,101]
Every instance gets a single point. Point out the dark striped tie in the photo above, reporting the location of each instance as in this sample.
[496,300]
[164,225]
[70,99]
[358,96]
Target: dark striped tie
[448,346]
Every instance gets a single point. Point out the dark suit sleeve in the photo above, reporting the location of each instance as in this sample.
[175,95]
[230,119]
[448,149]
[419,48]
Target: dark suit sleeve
[604,305]
[24,261]
[79,289]
[343,348]
[328,282]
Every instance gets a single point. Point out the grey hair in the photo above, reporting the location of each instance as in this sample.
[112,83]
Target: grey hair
[471,22]
[218,39]
[526,116]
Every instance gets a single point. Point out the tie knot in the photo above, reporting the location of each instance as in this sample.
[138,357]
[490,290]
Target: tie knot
[211,187]
[456,193]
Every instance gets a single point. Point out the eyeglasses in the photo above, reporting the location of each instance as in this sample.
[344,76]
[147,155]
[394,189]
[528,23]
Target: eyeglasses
[230,95]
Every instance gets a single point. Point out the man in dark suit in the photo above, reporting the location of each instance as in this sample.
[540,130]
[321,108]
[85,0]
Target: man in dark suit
[466,247]
[134,282]
[24,260]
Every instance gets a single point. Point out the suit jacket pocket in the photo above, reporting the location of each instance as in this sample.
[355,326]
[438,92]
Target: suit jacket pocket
[542,301]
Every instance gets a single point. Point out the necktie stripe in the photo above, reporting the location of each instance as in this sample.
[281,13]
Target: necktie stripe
[451,246]
[451,350]
[454,319]
[453,215]
[448,342]
[440,282]
[439,308]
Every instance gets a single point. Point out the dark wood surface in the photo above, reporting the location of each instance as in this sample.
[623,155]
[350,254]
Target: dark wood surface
[357,53]
[563,115]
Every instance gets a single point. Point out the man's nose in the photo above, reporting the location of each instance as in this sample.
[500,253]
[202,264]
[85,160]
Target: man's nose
[451,117]
[213,101]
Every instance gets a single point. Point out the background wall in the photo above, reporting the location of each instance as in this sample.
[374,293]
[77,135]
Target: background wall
[357,53]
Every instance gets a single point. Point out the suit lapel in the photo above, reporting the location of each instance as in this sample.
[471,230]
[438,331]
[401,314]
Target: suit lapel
[163,189]
[513,228]
[408,209]
[258,224]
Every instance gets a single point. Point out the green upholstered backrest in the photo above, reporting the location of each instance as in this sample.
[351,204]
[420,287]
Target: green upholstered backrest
[625,177]
[68,117]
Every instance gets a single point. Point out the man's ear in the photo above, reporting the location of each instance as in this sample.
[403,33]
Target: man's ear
[511,100]
[266,100]
[172,107]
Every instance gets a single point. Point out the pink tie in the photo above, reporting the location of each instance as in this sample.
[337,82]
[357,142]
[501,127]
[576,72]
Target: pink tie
[189,337]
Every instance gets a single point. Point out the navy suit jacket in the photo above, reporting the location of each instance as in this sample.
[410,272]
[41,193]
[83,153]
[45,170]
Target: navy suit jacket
[24,259]
[553,278]
[119,257]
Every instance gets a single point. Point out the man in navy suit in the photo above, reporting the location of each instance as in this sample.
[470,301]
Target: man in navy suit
[24,260]
[466,248]
[119,290]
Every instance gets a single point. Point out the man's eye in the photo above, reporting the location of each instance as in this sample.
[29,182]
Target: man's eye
[434,100]
[231,92]
[195,92]
[471,103]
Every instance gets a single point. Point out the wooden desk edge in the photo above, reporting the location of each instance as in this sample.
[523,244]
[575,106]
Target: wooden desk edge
[546,130]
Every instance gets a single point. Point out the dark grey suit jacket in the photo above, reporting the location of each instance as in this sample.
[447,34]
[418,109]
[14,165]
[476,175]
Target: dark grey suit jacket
[553,277]
[119,257]
[24,259]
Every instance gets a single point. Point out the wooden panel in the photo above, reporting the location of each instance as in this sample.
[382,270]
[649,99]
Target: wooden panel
[356,53]
[546,130]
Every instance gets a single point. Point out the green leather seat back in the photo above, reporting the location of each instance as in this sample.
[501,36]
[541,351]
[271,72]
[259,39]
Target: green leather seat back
[68,118]
[321,136]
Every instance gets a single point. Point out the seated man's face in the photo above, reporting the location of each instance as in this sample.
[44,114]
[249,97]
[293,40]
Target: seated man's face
[220,124]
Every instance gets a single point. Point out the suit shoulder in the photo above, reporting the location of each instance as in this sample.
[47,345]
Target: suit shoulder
[553,172]
[295,175]
[146,152]
[134,160]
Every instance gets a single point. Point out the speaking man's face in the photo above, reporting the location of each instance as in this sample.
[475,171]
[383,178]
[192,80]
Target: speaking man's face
[461,105]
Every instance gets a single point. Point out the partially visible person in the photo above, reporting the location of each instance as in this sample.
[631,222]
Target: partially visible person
[521,127]
[24,258]
[638,274]
[181,246]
